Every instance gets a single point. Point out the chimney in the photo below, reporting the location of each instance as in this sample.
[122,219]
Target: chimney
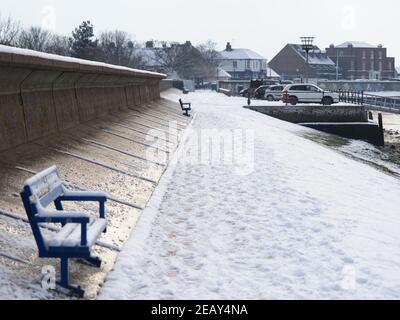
[149,44]
[228,47]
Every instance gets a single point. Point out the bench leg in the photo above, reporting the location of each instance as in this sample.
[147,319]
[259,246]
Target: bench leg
[91,261]
[64,281]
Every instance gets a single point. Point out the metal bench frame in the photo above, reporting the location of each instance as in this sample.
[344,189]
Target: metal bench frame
[186,107]
[46,188]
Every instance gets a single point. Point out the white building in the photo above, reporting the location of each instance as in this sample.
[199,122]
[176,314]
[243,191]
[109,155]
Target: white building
[245,64]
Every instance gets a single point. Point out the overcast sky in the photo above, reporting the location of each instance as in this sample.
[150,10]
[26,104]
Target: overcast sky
[262,25]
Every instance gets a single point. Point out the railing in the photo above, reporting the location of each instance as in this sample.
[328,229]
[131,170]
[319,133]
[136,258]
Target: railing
[375,102]
[390,104]
[348,96]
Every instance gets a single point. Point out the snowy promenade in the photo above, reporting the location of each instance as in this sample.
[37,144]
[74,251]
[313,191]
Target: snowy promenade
[307,223]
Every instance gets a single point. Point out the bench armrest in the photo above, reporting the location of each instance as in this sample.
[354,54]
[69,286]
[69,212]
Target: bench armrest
[87,196]
[54,216]
[65,217]
[84,196]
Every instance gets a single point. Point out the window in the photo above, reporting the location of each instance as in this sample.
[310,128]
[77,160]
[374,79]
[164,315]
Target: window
[312,89]
[380,65]
[235,64]
[372,65]
[389,66]
[372,55]
[299,88]
[248,64]
[341,53]
[352,65]
[364,54]
[364,65]
[380,55]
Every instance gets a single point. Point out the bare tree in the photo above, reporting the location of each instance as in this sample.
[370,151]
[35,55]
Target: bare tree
[210,57]
[167,56]
[59,44]
[35,38]
[118,48]
[9,31]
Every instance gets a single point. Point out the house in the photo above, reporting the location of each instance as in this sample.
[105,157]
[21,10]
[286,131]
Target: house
[361,60]
[244,64]
[151,58]
[223,75]
[290,63]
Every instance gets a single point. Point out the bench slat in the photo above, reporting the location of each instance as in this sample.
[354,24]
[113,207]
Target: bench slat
[60,237]
[70,235]
[53,194]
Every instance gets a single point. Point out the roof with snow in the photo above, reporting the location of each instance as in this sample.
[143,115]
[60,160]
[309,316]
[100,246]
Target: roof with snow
[355,44]
[223,74]
[272,73]
[316,56]
[149,57]
[241,54]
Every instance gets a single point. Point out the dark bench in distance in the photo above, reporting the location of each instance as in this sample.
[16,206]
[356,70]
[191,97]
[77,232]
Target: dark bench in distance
[186,107]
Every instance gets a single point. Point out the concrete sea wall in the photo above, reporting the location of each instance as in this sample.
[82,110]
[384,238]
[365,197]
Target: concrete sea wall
[42,94]
[314,113]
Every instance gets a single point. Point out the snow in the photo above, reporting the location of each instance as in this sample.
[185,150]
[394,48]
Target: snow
[356,44]
[307,223]
[223,74]
[240,54]
[388,94]
[316,57]
[54,57]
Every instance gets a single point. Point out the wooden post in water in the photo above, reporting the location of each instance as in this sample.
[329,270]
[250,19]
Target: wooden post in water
[381,131]
[370,115]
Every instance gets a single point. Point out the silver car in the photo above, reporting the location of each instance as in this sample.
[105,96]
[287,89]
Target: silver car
[274,93]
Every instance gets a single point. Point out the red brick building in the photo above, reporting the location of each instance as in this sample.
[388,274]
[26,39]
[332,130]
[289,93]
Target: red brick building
[360,60]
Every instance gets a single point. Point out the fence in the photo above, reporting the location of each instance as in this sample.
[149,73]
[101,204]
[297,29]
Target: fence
[375,102]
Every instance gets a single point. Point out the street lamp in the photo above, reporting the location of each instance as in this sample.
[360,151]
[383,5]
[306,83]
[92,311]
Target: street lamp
[307,45]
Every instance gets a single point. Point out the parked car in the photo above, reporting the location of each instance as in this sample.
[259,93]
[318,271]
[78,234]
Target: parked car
[308,93]
[286,82]
[270,82]
[260,91]
[274,93]
[244,92]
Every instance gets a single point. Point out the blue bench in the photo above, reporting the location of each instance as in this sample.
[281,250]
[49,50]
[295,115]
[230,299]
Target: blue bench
[79,231]
[186,107]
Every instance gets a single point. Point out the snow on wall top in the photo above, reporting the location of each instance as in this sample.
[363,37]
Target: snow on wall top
[241,54]
[57,58]
[355,44]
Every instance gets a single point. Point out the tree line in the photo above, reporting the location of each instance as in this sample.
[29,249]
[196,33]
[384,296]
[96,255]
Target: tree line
[115,47]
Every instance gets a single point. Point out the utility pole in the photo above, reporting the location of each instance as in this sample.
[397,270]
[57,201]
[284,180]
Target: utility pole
[307,45]
[337,64]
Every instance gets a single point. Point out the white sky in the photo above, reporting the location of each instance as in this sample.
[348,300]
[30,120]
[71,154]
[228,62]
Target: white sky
[262,25]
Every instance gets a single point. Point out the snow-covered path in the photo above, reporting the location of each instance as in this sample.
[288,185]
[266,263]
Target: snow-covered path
[307,223]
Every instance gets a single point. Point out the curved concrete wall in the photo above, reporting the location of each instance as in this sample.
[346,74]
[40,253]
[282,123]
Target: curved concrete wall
[41,94]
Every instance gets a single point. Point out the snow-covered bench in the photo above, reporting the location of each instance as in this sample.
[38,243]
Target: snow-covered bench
[186,107]
[79,231]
